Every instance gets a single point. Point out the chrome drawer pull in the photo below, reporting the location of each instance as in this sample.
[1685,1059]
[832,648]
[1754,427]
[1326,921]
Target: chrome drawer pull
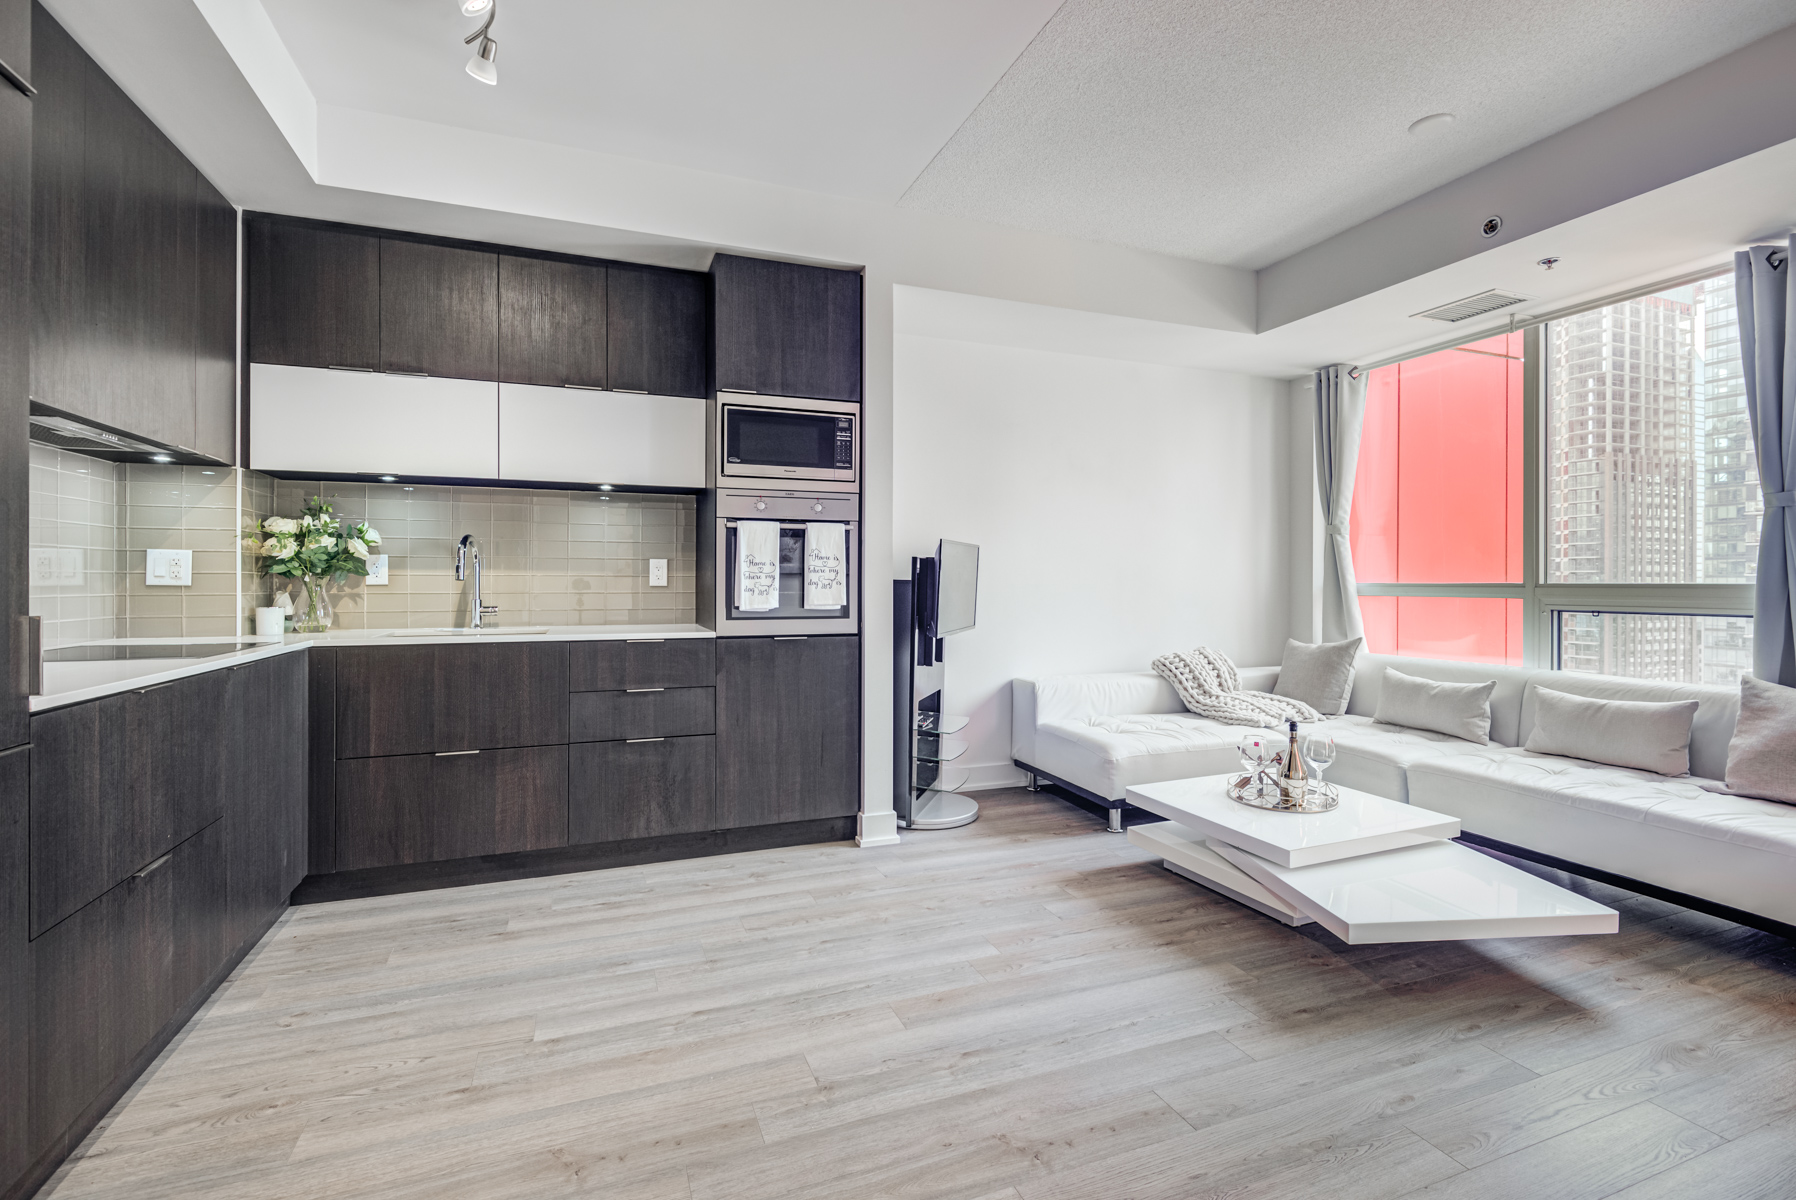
[161,862]
[632,691]
[643,641]
[635,741]
[154,687]
[792,638]
[454,753]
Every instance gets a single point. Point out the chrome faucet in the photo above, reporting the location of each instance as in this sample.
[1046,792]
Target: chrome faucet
[465,551]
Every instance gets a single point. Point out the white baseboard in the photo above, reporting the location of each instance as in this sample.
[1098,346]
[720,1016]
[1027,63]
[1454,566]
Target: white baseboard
[877,829]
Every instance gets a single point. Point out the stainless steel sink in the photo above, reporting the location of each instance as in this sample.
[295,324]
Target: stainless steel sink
[493,631]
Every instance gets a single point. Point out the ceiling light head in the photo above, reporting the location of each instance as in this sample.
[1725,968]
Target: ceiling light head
[1432,123]
[473,8]
[604,487]
[481,65]
[161,458]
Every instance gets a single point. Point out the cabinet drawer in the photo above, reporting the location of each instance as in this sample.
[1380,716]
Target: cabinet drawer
[622,790]
[616,666]
[656,712]
[118,782]
[432,807]
[109,977]
[425,699]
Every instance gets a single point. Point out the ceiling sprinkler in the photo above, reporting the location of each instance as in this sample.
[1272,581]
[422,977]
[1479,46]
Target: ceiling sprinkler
[1548,263]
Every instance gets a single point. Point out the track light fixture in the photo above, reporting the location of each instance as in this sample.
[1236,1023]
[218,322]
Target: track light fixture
[481,65]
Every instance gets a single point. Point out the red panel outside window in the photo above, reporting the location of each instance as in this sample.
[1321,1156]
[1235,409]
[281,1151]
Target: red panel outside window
[1438,499]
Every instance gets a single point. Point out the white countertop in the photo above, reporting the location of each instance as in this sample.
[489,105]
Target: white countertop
[73,682]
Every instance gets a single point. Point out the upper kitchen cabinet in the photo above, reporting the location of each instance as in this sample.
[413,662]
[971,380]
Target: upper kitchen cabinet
[785,329]
[15,41]
[130,300]
[439,310]
[15,375]
[314,296]
[551,322]
[657,323]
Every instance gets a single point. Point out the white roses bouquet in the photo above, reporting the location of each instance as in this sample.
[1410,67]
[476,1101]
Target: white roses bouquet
[316,544]
[314,549]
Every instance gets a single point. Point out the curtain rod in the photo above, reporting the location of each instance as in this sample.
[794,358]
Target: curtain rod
[1517,321]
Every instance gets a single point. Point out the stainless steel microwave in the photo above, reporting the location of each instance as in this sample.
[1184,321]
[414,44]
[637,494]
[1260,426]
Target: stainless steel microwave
[813,443]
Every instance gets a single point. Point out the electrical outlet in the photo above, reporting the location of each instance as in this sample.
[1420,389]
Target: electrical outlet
[168,568]
[43,566]
[377,570]
[657,572]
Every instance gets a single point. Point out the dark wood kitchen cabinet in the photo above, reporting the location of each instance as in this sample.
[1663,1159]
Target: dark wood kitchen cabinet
[17,1150]
[425,699]
[641,789]
[131,304]
[117,783]
[658,712]
[786,329]
[658,324]
[15,43]
[551,322]
[648,663]
[15,383]
[416,808]
[264,796]
[112,977]
[439,310]
[314,296]
[788,729]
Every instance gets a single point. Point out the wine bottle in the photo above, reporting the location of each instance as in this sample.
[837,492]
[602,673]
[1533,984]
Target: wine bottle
[1294,780]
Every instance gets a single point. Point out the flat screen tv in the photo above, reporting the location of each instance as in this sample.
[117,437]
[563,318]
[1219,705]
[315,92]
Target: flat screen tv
[957,604]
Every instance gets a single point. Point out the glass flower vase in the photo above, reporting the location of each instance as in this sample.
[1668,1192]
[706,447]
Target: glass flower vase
[314,612]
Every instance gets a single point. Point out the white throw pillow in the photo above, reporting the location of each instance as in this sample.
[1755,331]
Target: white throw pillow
[1642,734]
[1319,674]
[1460,710]
[1761,758]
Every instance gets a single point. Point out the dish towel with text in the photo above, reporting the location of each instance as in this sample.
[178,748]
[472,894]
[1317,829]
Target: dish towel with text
[1210,687]
[825,564]
[757,565]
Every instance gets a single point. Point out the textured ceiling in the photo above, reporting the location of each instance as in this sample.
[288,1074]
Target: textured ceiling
[846,97]
[1240,131]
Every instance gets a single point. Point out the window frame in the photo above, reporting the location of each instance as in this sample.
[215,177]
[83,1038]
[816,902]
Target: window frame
[1543,603]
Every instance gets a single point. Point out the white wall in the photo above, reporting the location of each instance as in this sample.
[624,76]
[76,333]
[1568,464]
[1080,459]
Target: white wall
[1124,509]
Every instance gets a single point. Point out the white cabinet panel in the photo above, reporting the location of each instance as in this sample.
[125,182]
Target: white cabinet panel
[355,422]
[569,435]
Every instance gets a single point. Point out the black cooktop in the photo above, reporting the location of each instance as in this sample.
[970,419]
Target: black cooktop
[65,654]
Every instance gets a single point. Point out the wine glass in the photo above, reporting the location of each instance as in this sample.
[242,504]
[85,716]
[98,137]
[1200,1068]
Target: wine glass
[1319,750]
[1258,748]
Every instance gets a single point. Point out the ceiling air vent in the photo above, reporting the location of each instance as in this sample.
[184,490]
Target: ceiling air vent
[1473,306]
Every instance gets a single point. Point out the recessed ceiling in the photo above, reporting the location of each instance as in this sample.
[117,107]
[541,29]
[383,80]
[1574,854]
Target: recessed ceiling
[1241,131]
[845,97]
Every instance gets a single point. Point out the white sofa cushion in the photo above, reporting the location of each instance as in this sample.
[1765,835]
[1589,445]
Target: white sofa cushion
[1371,756]
[1761,758]
[1645,734]
[1109,755]
[1460,710]
[1505,698]
[1319,674]
[1716,710]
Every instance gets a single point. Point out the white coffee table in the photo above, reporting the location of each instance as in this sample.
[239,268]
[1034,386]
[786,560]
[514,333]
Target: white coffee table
[1372,870]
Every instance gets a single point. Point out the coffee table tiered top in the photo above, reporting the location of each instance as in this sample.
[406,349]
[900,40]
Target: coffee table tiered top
[1371,870]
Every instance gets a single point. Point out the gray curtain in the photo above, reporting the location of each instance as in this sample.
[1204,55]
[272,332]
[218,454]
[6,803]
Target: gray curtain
[1340,413]
[1768,352]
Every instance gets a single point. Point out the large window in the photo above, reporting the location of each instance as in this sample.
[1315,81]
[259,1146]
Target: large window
[1581,495]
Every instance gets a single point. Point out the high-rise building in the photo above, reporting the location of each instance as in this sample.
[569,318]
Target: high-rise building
[1651,478]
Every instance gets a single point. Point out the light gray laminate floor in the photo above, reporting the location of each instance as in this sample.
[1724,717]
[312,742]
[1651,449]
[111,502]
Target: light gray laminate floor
[1026,1008]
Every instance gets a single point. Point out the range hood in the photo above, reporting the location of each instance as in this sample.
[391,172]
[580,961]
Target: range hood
[53,427]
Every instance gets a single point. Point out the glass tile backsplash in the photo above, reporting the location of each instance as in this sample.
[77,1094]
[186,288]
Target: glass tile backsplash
[548,557]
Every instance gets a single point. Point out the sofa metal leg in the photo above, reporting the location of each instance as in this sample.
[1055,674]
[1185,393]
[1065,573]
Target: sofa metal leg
[1034,783]
[1116,820]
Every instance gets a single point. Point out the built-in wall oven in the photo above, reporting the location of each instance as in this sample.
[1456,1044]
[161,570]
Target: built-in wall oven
[780,563]
[782,441]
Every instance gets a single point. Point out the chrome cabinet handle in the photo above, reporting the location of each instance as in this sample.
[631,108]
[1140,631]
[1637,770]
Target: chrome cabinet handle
[155,866]
[638,741]
[454,753]
[633,691]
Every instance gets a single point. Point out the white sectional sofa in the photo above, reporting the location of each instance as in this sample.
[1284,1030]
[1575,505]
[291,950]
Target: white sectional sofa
[1098,735]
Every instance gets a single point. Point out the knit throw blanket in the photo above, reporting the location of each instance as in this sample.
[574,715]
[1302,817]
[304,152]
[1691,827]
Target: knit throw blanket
[1210,687]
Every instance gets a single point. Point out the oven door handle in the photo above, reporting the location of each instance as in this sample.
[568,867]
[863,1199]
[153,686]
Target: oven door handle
[731,523]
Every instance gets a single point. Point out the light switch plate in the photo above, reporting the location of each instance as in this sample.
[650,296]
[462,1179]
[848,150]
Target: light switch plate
[377,570]
[657,572]
[168,568]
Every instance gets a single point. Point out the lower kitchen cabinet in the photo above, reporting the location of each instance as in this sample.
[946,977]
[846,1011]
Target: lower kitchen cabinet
[788,729]
[644,713]
[264,792]
[17,1149]
[394,700]
[415,808]
[111,976]
[118,782]
[623,790]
